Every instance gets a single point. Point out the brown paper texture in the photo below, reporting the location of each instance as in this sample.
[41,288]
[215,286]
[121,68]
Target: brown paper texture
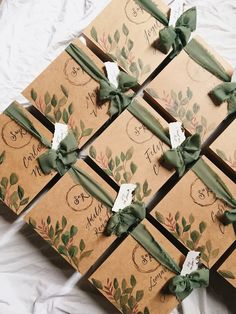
[65,93]
[133,280]
[129,153]
[182,89]
[132,39]
[228,269]
[225,146]
[20,176]
[190,212]
[72,221]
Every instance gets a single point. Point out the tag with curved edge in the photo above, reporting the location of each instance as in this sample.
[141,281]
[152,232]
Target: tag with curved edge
[124,197]
[112,72]
[61,131]
[191,263]
[177,136]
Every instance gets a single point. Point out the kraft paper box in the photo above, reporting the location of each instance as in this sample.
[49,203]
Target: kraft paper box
[182,90]
[228,269]
[128,34]
[133,281]
[65,93]
[225,146]
[73,221]
[129,153]
[21,179]
[190,211]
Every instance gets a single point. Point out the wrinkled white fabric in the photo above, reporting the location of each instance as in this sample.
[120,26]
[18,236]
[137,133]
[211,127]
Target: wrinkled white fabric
[33,279]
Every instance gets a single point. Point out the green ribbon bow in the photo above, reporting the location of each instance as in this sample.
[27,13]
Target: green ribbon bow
[122,221]
[61,159]
[188,152]
[177,37]
[118,99]
[225,92]
[182,286]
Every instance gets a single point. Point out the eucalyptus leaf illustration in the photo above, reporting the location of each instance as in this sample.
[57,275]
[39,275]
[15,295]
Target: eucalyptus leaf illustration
[2,157]
[230,160]
[226,274]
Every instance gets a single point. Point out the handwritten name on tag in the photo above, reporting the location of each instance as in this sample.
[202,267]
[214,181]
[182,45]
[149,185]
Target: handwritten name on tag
[191,263]
[177,135]
[124,197]
[112,72]
[61,131]
[176,9]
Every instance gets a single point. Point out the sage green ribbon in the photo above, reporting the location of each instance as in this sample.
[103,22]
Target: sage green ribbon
[118,99]
[152,9]
[177,37]
[180,286]
[225,92]
[186,153]
[218,187]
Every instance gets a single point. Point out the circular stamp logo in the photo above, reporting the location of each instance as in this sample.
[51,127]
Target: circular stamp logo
[143,261]
[78,199]
[138,132]
[201,194]
[196,72]
[75,74]
[15,136]
[135,13]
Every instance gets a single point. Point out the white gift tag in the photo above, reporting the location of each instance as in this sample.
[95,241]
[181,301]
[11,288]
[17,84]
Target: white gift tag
[61,130]
[176,9]
[191,263]
[233,78]
[177,135]
[124,197]
[112,72]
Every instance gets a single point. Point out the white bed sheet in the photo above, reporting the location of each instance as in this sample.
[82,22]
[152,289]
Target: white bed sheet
[33,279]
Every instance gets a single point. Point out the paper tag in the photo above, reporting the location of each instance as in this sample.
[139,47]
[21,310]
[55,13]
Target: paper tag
[176,9]
[112,72]
[191,263]
[233,78]
[61,130]
[124,197]
[177,135]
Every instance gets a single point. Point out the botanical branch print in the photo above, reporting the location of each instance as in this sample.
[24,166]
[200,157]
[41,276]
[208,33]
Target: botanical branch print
[11,194]
[182,228]
[57,110]
[178,105]
[230,160]
[227,274]
[123,295]
[120,48]
[61,237]
[2,157]
[121,168]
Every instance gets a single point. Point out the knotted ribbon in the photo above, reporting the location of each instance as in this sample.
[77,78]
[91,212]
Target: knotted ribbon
[177,37]
[118,99]
[188,152]
[225,92]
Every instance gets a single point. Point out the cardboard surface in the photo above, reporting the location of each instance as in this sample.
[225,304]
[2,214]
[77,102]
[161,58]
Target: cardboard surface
[132,39]
[21,179]
[129,153]
[182,89]
[190,211]
[228,269]
[73,221]
[133,280]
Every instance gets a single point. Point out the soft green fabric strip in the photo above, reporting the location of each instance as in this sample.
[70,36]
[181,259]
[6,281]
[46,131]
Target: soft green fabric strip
[225,92]
[151,8]
[15,113]
[145,117]
[205,59]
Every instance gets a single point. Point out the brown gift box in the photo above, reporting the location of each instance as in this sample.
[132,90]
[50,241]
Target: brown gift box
[129,153]
[130,39]
[190,211]
[182,90]
[65,93]
[228,269]
[73,221]
[133,280]
[225,146]
[20,176]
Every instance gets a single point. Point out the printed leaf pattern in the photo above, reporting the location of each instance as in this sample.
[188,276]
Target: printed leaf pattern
[57,110]
[230,160]
[121,168]
[123,294]
[2,157]
[182,228]
[120,48]
[61,237]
